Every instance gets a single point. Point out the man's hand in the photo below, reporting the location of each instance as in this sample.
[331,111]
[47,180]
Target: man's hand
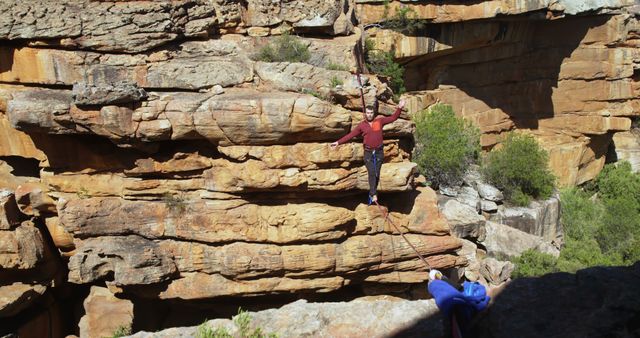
[334,145]
[401,104]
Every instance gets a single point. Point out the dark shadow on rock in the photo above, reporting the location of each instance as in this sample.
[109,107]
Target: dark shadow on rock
[6,56]
[22,166]
[594,302]
[513,65]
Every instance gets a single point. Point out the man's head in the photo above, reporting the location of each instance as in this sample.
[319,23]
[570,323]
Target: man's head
[371,110]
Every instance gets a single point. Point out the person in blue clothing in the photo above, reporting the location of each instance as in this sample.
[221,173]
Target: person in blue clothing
[459,303]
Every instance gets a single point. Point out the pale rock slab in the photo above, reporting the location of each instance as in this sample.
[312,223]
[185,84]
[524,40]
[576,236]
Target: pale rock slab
[104,313]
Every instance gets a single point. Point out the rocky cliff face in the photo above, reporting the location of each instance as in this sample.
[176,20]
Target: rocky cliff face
[565,71]
[144,141]
[142,146]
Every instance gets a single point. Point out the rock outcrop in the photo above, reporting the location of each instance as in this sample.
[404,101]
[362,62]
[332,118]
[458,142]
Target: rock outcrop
[572,91]
[373,317]
[171,165]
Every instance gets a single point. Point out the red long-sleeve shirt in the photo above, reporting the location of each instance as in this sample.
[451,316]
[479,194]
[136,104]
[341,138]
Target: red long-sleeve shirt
[372,133]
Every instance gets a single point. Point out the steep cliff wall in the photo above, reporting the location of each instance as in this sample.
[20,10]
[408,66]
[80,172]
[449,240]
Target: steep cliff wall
[142,146]
[565,71]
[164,161]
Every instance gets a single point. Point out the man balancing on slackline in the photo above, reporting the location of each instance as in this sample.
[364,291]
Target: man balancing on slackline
[371,129]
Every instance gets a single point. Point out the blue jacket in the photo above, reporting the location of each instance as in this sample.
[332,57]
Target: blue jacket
[465,304]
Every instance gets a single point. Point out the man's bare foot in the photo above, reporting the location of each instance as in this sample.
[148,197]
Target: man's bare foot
[374,198]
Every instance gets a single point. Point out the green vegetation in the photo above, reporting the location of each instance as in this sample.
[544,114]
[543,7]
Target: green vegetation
[315,93]
[403,20]
[121,331]
[83,193]
[174,203]
[533,263]
[383,64]
[335,81]
[335,66]
[520,168]
[445,144]
[601,225]
[205,331]
[285,48]
[242,321]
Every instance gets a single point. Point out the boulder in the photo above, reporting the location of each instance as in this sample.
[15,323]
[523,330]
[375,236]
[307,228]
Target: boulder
[489,192]
[118,93]
[22,248]
[504,241]
[496,272]
[468,196]
[627,148]
[10,215]
[540,218]
[464,220]
[17,297]
[130,260]
[33,200]
[105,314]
[488,206]
[371,317]
[115,27]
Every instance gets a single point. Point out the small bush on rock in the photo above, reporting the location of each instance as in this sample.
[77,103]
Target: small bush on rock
[383,64]
[520,168]
[533,263]
[445,145]
[403,20]
[285,48]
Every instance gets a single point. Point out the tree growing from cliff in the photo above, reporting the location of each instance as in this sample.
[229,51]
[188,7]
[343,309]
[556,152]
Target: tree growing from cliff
[382,63]
[445,145]
[520,168]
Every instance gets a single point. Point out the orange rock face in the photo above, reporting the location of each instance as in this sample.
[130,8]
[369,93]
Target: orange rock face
[573,92]
[164,159]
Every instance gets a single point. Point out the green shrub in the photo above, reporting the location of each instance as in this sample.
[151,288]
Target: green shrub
[382,63]
[597,232]
[620,225]
[618,181]
[335,81]
[285,48]
[317,94]
[581,254]
[520,168]
[445,145]
[581,217]
[242,321]
[335,66]
[619,189]
[121,331]
[533,263]
[402,20]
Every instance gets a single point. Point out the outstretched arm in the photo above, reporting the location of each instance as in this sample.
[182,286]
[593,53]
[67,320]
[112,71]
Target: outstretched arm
[347,137]
[396,114]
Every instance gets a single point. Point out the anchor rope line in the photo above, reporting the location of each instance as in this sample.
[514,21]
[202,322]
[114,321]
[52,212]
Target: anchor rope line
[359,55]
